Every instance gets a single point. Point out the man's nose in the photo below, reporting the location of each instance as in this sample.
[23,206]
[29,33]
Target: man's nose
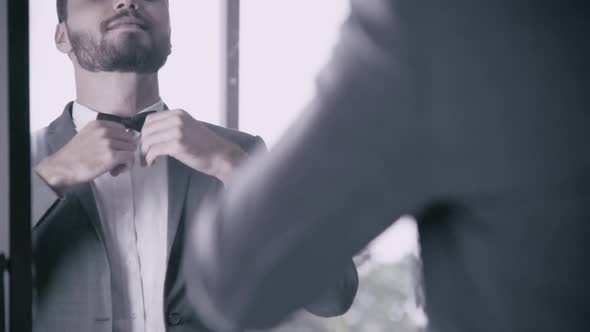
[126,5]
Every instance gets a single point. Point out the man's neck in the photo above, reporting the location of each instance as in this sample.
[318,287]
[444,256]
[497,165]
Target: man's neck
[122,94]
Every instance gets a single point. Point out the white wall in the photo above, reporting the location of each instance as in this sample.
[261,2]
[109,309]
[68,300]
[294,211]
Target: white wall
[190,79]
[284,44]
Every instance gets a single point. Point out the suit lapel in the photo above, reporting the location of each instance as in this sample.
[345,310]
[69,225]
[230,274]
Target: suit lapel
[59,133]
[178,179]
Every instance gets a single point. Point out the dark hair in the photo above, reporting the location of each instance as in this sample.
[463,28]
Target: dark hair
[62,10]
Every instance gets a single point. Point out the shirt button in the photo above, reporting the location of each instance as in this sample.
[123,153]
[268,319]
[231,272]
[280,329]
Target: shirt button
[174,319]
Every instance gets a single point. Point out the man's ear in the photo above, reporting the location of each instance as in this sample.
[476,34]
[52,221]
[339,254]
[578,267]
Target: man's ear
[62,40]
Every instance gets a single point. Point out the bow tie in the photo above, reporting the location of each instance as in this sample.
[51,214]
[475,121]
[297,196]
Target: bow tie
[135,122]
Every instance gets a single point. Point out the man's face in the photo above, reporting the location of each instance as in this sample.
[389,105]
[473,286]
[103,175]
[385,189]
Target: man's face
[119,35]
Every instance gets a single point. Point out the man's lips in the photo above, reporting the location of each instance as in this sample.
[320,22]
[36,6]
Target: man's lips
[125,23]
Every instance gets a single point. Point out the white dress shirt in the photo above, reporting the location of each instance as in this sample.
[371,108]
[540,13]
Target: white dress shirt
[133,209]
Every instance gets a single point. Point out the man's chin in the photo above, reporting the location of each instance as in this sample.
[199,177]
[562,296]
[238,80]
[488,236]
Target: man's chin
[122,37]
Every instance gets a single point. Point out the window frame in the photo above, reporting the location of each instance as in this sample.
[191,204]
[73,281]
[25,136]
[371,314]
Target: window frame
[18,264]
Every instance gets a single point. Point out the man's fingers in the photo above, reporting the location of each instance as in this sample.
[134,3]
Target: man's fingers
[164,120]
[121,157]
[111,129]
[110,124]
[124,135]
[121,145]
[98,133]
[104,124]
[158,116]
[155,151]
[147,141]
[120,134]
[119,169]
[163,124]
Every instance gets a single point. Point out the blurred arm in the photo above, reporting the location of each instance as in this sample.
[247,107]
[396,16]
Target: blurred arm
[291,222]
[337,298]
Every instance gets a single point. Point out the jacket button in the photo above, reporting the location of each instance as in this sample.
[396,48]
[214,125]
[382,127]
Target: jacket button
[174,319]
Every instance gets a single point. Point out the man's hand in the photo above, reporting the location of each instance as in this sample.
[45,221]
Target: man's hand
[99,147]
[175,133]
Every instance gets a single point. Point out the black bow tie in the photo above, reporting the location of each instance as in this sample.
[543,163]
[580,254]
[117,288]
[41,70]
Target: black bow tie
[135,122]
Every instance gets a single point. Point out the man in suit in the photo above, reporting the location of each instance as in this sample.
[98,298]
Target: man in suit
[472,116]
[115,177]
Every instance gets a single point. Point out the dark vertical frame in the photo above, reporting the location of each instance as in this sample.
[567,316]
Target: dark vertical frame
[231,72]
[3,267]
[4,190]
[20,297]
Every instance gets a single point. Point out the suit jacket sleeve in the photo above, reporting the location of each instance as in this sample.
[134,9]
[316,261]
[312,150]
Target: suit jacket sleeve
[341,175]
[337,297]
[43,197]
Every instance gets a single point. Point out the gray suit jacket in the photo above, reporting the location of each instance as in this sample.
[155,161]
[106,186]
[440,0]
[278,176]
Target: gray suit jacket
[71,270]
[471,115]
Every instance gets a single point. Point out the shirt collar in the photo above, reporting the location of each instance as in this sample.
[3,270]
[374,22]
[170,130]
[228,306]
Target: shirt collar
[83,115]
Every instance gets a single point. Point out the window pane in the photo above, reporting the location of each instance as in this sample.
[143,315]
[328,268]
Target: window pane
[283,45]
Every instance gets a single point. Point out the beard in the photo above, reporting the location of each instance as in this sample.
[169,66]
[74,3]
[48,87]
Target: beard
[129,53]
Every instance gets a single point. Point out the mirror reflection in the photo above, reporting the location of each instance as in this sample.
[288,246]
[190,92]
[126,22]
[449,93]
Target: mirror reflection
[128,139]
